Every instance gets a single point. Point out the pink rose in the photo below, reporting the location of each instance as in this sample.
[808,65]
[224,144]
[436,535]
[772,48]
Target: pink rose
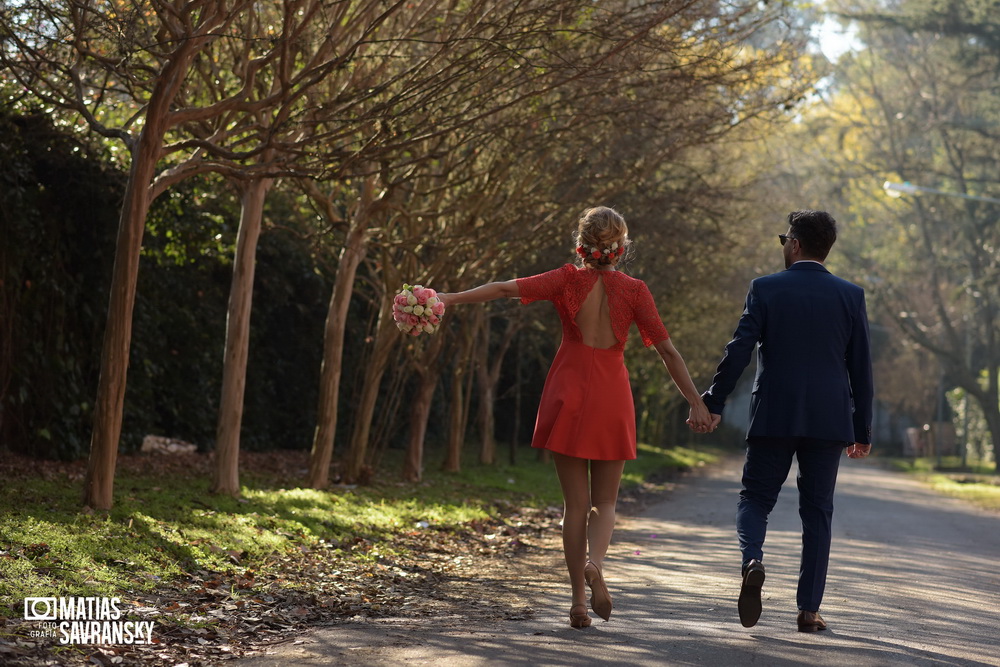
[438,309]
[400,299]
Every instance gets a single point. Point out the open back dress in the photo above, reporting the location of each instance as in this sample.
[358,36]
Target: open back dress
[586,409]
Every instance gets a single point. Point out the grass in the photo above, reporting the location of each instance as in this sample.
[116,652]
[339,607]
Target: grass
[978,490]
[977,483]
[653,460]
[164,524]
[951,464]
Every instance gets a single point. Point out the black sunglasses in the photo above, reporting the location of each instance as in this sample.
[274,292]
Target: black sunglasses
[785,237]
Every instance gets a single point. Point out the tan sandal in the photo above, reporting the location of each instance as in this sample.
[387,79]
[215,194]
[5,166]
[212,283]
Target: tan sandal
[600,600]
[578,616]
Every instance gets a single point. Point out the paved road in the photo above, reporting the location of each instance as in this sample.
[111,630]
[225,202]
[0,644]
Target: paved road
[914,581]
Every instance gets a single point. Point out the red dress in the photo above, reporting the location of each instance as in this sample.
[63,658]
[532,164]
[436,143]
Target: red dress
[586,409]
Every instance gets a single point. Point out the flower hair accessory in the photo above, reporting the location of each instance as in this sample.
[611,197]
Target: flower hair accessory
[417,310]
[616,249]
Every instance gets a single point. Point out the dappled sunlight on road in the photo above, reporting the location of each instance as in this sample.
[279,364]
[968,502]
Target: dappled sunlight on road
[913,576]
[918,568]
[913,581]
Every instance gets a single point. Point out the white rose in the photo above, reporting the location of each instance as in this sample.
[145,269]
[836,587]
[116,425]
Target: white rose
[407,309]
[410,299]
[418,310]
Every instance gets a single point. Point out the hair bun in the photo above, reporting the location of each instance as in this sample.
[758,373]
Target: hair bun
[601,236]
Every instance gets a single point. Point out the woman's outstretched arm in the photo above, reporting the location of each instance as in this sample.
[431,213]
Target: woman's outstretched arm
[699,417]
[488,292]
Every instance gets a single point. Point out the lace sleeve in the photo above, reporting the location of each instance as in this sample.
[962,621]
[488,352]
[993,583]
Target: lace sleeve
[548,286]
[648,319]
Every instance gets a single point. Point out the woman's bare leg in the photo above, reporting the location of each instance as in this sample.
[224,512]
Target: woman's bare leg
[575,483]
[605,478]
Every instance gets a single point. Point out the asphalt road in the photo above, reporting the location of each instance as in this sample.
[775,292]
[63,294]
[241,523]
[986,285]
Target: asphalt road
[914,580]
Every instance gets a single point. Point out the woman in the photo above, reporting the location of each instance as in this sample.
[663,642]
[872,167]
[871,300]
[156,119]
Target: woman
[586,416]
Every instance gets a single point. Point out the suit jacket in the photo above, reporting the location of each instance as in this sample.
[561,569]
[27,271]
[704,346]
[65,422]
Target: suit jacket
[814,376]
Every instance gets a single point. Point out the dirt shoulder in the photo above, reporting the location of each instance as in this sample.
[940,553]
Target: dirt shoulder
[485,572]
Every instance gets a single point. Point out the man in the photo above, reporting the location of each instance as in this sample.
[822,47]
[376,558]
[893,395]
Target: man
[812,396]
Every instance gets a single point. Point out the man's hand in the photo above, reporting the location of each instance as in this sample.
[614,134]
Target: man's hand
[699,419]
[858,451]
[709,424]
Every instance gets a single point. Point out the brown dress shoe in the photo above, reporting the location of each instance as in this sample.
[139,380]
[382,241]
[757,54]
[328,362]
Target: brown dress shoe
[810,621]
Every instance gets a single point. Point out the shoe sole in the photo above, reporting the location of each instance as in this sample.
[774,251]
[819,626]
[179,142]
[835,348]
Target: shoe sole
[749,603]
[810,628]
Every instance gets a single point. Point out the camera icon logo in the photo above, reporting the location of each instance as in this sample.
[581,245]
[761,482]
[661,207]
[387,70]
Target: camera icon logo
[40,609]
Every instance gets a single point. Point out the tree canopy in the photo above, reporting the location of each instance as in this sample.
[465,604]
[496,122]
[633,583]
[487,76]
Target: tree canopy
[302,160]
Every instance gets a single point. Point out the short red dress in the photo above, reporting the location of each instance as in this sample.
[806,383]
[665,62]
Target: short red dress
[586,409]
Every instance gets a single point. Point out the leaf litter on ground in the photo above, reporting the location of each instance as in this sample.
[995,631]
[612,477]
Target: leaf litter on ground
[205,616]
[210,615]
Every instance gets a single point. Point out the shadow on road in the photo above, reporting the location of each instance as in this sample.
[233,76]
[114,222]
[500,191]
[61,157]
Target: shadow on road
[913,581]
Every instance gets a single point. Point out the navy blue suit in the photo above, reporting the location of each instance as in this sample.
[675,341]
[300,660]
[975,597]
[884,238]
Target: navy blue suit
[812,396]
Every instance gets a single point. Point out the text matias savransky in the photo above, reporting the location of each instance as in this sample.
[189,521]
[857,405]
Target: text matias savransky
[86,620]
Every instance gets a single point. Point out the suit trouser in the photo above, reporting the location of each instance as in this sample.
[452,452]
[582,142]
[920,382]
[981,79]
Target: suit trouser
[767,465]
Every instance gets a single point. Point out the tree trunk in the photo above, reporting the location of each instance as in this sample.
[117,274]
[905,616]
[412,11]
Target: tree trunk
[467,403]
[487,394]
[487,420]
[456,435]
[226,478]
[386,337]
[419,414]
[993,420]
[98,486]
[488,375]
[333,347]
[458,409]
[517,405]
[990,405]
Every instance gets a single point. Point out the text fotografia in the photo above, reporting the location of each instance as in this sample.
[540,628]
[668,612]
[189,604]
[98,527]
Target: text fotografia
[85,620]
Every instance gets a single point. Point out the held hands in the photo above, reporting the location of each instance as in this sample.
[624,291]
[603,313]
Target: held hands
[716,420]
[858,451]
[700,420]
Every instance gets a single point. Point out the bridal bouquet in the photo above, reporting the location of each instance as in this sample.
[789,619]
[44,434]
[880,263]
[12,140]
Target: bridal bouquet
[417,310]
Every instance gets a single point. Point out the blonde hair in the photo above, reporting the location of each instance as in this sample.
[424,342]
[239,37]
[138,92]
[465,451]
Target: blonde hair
[601,230]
